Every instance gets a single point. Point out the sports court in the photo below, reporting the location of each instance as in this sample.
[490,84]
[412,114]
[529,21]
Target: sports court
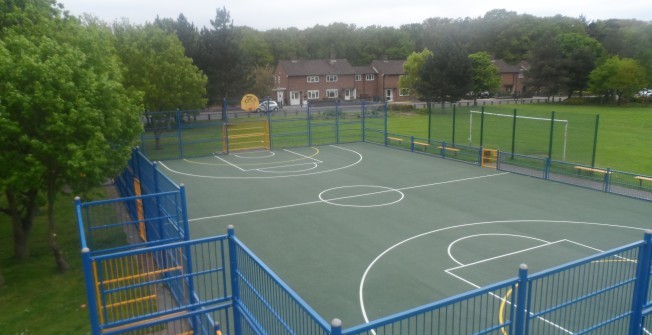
[361,231]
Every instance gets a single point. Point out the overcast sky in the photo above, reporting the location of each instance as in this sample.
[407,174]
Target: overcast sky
[270,14]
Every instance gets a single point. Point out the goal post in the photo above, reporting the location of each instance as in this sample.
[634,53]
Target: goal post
[539,121]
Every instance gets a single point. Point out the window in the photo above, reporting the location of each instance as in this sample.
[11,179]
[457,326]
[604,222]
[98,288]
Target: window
[313,79]
[404,92]
[369,77]
[358,77]
[313,94]
[331,78]
[331,93]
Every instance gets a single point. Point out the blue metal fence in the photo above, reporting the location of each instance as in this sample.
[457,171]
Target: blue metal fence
[167,283]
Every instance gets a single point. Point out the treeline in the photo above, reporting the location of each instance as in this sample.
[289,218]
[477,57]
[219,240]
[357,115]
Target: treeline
[239,58]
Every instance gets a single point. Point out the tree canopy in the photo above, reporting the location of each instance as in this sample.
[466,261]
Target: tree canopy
[70,120]
[446,74]
[484,74]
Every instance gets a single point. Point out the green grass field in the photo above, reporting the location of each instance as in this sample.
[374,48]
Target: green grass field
[37,300]
[624,134]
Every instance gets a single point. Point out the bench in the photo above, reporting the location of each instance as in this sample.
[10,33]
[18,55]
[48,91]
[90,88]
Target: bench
[399,140]
[641,179]
[588,169]
[455,150]
[424,145]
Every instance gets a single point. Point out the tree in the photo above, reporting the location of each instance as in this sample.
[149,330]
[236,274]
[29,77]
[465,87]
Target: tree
[222,59]
[485,74]
[71,122]
[412,68]
[581,55]
[155,65]
[549,69]
[618,78]
[446,74]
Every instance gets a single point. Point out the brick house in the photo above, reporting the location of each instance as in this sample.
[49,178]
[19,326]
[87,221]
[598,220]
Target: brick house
[512,77]
[296,81]
[388,73]
[366,85]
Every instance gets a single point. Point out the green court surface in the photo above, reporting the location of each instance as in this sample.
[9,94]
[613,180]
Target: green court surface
[361,231]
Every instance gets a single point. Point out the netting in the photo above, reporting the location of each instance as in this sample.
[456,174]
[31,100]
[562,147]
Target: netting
[561,136]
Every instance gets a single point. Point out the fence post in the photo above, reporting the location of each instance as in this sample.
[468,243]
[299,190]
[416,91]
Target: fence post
[595,139]
[443,149]
[337,121]
[188,255]
[454,120]
[607,180]
[309,119]
[157,202]
[90,291]
[364,116]
[546,170]
[179,133]
[521,295]
[639,298]
[385,118]
[412,143]
[225,127]
[481,127]
[336,327]
[552,129]
[235,288]
[514,133]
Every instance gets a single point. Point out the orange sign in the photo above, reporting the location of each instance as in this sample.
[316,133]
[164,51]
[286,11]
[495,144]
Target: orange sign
[249,102]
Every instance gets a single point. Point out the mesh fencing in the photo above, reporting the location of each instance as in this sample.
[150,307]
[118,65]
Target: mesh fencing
[561,136]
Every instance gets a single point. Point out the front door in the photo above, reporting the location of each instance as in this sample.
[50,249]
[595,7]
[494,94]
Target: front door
[348,94]
[279,98]
[389,96]
[295,98]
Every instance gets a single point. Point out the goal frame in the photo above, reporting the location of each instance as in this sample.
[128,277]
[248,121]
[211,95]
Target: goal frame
[565,122]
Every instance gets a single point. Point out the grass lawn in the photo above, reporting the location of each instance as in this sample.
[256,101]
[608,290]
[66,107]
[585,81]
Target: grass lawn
[624,133]
[36,299]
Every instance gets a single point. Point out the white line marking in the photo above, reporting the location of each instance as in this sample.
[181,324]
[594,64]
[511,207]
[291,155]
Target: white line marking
[220,158]
[272,177]
[388,250]
[344,197]
[304,156]
[450,246]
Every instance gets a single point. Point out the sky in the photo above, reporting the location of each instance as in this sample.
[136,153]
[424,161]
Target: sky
[302,14]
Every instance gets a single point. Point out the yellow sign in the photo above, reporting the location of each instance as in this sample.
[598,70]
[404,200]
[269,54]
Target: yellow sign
[249,102]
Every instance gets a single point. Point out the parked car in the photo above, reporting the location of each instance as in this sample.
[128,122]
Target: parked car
[484,95]
[644,93]
[265,106]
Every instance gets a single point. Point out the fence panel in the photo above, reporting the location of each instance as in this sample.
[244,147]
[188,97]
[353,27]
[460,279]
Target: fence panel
[174,286]
[267,304]
[593,295]
[490,310]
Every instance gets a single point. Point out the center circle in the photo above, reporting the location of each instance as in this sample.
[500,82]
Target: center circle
[361,196]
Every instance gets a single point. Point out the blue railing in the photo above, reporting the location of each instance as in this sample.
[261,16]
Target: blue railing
[218,283]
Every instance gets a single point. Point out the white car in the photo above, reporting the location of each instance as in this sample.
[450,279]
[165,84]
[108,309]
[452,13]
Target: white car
[644,93]
[265,106]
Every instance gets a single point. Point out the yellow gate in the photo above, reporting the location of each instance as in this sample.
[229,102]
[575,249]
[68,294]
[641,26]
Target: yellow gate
[489,158]
[247,135]
[138,285]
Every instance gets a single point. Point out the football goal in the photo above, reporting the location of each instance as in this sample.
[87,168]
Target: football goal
[534,124]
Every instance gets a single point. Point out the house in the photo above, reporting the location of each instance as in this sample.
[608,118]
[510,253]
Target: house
[297,81]
[365,83]
[512,77]
[388,72]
